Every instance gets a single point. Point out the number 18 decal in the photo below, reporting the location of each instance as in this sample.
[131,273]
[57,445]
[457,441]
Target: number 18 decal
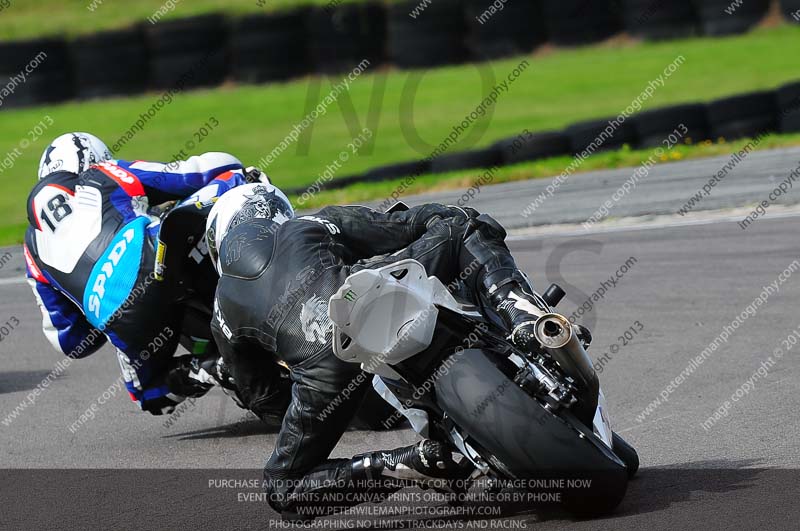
[59,209]
[67,222]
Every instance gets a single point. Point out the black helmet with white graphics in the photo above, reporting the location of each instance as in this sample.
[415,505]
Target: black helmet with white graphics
[73,152]
[243,203]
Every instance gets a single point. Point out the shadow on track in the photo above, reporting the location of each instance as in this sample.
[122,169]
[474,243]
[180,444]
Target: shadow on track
[658,494]
[658,489]
[241,428]
[249,426]
[706,494]
[15,381]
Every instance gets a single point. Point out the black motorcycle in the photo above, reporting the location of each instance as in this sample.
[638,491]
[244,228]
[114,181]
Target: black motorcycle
[536,422]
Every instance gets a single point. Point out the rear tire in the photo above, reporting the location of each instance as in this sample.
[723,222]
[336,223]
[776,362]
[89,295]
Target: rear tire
[514,433]
[627,453]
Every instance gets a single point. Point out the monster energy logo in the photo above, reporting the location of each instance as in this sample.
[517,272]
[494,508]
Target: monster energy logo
[350,296]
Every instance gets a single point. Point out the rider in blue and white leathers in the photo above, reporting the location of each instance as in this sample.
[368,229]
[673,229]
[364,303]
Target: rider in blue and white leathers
[90,254]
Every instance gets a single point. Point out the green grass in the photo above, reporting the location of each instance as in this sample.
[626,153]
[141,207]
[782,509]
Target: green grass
[36,18]
[559,88]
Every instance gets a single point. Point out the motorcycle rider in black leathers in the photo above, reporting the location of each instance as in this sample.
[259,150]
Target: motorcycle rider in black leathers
[277,275]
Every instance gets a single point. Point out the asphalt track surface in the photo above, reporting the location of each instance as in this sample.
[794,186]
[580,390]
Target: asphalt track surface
[686,284]
[662,190]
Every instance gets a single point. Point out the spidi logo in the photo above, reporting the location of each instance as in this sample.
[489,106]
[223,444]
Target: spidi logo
[107,272]
[118,172]
[125,179]
[114,275]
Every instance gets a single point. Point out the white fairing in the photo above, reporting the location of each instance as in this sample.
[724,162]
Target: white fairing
[384,316]
[416,417]
[388,314]
[602,424]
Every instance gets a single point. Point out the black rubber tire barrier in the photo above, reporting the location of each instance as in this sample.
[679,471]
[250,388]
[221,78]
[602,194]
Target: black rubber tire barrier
[533,146]
[573,22]
[657,19]
[41,87]
[715,21]
[335,184]
[653,127]
[50,81]
[342,37]
[582,134]
[196,45]
[189,70]
[426,51]
[14,56]
[467,160]
[110,63]
[745,115]
[789,108]
[395,171]
[791,10]
[340,182]
[515,30]
[183,35]
[270,47]
[436,37]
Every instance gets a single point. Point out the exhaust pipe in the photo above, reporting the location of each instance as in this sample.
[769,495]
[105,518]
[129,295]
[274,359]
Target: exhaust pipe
[556,335]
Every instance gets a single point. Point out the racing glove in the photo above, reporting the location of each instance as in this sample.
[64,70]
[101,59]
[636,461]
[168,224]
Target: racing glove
[190,377]
[254,175]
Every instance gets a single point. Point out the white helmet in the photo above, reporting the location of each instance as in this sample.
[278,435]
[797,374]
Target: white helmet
[243,203]
[73,152]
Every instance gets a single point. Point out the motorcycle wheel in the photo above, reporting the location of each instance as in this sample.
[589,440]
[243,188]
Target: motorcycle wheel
[520,439]
[627,453]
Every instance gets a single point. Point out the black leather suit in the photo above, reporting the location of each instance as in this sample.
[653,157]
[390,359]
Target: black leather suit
[272,303]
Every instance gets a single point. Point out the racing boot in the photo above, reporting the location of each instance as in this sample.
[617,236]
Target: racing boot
[519,307]
[426,464]
[506,287]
